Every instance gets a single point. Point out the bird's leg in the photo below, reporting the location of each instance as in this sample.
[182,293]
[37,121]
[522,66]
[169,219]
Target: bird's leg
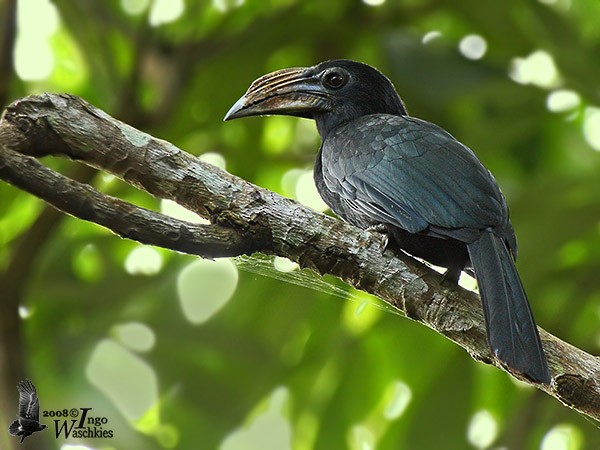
[451,275]
[381,230]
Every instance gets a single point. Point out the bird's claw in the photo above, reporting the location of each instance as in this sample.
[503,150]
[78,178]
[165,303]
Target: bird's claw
[381,230]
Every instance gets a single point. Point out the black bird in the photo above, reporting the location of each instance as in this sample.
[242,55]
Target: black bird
[29,412]
[379,167]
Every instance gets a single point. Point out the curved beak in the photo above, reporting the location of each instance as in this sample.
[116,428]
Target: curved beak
[291,92]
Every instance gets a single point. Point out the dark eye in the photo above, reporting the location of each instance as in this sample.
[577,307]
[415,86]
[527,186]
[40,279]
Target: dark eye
[335,79]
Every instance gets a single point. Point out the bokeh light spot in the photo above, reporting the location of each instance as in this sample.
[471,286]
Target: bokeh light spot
[591,127]
[538,69]
[307,194]
[482,430]
[37,17]
[135,336]
[167,436]
[562,100]
[373,2]
[33,57]
[270,430]
[26,67]
[562,437]
[165,11]
[24,312]
[128,381]
[135,7]
[205,286]
[362,438]
[430,36]
[473,46]
[143,260]
[399,398]
[225,5]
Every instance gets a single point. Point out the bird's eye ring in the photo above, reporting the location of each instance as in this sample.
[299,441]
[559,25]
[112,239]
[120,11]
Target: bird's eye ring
[334,79]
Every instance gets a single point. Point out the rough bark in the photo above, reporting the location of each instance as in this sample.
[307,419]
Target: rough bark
[245,219]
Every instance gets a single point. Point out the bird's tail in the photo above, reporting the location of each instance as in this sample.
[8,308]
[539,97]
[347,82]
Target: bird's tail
[14,428]
[511,329]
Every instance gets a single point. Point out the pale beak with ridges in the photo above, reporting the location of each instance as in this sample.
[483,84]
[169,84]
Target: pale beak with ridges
[292,92]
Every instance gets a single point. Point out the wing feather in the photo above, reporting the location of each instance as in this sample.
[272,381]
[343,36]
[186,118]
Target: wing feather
[29,403]
[414,175]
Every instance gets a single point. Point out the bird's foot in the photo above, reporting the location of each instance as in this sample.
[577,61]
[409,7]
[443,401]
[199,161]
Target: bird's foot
[381,230]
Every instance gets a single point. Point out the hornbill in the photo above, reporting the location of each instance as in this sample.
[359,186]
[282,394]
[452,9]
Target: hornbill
[379,167]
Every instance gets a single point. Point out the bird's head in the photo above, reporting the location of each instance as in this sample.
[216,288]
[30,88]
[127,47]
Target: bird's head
[331,93]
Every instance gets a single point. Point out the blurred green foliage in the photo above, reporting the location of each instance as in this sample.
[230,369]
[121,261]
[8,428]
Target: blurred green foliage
[276,365]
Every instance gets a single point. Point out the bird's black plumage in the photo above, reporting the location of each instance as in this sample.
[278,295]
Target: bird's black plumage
[379,166]
[29,412]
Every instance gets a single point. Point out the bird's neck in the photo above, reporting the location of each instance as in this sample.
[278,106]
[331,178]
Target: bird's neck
[325,124]
[328,121]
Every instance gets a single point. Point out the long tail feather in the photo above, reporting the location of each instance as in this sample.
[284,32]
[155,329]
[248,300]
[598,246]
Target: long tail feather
[511,329]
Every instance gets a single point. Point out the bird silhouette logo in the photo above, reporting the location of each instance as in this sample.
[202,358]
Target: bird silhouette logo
[29,412]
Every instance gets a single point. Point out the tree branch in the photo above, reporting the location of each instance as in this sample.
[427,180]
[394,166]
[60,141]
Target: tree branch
[244,219]
[123,218]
